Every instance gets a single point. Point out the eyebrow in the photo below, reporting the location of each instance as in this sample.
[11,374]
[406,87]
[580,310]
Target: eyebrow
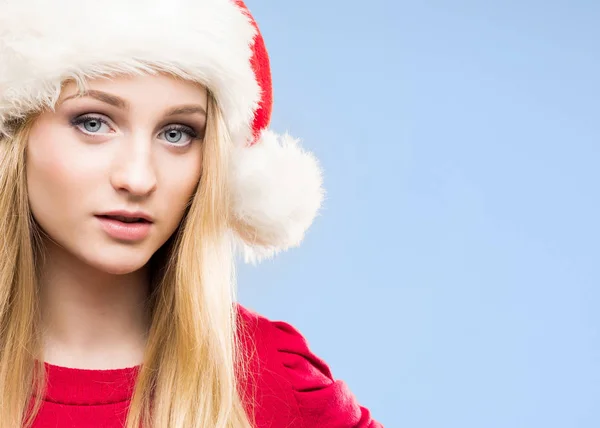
[120,103]
[107,98]
[189,109]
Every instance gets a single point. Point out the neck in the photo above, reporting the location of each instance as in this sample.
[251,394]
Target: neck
[91,319]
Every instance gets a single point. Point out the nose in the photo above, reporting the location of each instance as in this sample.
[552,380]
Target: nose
[134,168]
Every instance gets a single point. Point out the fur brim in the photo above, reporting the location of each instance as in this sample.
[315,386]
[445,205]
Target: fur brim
[276,186]
[44,42]
[277,190]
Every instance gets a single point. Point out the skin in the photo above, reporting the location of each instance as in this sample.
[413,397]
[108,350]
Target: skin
[93,286]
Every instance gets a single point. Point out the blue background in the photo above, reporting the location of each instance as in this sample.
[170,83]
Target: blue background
[452,277]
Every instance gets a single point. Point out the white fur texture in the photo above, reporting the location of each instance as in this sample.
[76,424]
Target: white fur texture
[277,186]
[277,189]
[43,42]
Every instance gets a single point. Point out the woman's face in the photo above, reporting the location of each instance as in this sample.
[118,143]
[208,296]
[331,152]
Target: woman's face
[130,143]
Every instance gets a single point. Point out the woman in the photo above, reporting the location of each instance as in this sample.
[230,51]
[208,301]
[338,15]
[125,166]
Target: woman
[135,160]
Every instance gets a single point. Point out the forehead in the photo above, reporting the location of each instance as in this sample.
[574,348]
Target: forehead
[139,89]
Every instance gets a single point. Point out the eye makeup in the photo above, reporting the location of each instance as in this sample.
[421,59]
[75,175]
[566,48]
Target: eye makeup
[168,131]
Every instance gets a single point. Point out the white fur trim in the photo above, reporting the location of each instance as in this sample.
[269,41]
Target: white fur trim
[43,42]
[277,187]
[277,190]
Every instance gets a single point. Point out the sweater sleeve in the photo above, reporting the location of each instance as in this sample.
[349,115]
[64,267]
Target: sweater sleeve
[322,400]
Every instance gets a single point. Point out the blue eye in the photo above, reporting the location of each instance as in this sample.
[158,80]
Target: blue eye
[91,124]
[176,133]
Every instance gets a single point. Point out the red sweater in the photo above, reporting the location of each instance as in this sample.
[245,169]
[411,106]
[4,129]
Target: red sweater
[293,388]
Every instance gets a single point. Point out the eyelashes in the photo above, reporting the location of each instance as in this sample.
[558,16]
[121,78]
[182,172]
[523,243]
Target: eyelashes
[92,125]
[175,128]
[87,119]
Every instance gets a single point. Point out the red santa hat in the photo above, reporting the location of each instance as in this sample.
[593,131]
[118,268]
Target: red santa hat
[276,185]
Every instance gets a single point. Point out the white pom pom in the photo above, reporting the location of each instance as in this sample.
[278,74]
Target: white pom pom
[277,192]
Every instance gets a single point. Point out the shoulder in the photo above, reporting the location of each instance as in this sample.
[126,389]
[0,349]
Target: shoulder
[289,385]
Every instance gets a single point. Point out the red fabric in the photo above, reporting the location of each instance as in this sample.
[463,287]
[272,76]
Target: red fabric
[262,70]
[287,386]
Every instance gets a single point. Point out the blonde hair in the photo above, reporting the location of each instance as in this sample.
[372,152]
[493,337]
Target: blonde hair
[191,371]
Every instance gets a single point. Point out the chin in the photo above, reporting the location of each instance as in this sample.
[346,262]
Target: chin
[116,262]
[121,269]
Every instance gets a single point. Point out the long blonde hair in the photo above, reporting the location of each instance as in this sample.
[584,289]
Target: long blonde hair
[190,374]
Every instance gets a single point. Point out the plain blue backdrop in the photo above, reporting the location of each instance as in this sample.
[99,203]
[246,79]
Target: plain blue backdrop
[452,277]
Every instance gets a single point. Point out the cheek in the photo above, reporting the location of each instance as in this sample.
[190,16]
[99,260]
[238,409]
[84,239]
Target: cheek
[58,177]
[179,181]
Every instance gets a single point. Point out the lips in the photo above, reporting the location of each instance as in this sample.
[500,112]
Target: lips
[125,219]
[127,216]
[123,230]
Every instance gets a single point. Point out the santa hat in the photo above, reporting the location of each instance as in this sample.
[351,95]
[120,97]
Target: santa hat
[277,186]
